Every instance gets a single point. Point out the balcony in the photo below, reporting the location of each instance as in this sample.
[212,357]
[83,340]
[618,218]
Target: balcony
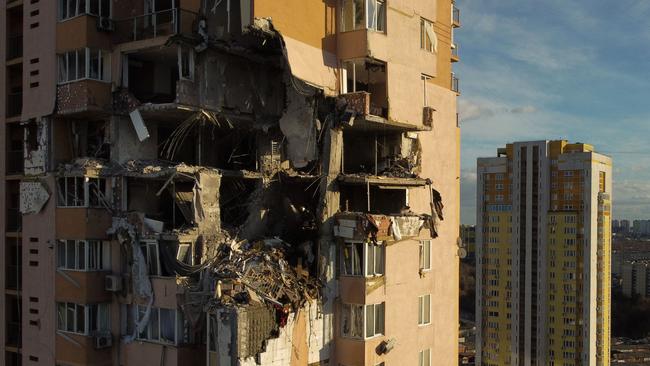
[81,223]
[454,53]
[14,46]
[78,98]
[14,104]
[455,19]
[82,287]
[77,349]
[153,25]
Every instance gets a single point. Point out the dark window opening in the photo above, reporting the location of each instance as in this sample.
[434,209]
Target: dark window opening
[379,154]
[235,195]
[152,76]
[173,206]
[369,77]
[354,198]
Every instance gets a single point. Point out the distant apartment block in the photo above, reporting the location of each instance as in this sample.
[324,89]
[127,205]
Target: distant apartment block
[543,255]
[468,236]
[635,276]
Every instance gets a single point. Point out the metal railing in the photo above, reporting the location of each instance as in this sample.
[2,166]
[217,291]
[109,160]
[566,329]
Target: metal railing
[152,25]
[14,46]
[455,84]
[456,16]
[14,104]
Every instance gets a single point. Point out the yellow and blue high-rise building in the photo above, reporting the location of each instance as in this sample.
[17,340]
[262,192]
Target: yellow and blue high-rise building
[543,241]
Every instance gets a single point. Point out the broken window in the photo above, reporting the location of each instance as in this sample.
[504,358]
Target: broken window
[163,325]
[84,64]
[186,63]
[73,8]
[365,75]
[363,259]
[185,253]
[428,38]
[352,259]
[424,310]
[425,255]
[377,154]
[352,321]
[83,319]
[383,200]
[357,320]
[83,255]
[82,192]
[151,256]
[425,86]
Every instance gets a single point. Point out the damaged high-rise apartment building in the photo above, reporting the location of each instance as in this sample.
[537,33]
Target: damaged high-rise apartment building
[226,182]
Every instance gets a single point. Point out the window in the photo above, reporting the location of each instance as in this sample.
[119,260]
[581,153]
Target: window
[186,63]
[185,253]
[376,19]
[424,310]
[363,14]
[428,38]
[163,325]
[83,319]
[150,253]
[83,255]
[84,63]
[425,358]
[356,318]
[363,259]
[425,81]
[73,8]
[425,255]
[82,192]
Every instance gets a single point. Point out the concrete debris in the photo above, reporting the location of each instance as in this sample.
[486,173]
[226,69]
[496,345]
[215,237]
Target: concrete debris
[261,270]
[139,125]
[33,196]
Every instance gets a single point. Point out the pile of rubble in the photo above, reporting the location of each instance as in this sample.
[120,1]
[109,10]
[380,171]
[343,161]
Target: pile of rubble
[259,272]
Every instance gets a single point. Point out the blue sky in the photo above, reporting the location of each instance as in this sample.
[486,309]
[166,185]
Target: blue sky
[551,69]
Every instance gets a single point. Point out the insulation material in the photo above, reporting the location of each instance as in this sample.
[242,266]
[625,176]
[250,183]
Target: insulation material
[406,226]
[33,196]
[206,202]
[142,288]
[312,65]
[138,125]
[37,136]
[299,127]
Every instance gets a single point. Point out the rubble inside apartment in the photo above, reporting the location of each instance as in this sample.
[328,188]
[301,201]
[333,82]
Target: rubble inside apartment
[252,220]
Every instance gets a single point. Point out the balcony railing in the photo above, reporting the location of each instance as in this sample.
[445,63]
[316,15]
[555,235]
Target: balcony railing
[14,104]
[14,46]
[455,84]
[456,16]
[152,25]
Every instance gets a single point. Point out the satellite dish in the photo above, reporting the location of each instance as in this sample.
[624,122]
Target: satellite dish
[462,253]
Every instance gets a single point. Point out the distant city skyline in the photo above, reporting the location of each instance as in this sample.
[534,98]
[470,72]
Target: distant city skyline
[569,74]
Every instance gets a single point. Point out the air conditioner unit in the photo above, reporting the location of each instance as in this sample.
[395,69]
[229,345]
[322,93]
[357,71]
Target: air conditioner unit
[113,283]
[103,341]
[105,24]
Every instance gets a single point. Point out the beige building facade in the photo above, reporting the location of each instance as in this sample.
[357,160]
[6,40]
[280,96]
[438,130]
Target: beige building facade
[229,182]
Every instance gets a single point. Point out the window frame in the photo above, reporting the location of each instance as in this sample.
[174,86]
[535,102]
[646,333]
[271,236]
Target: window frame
[422,358]
[103,315]
[424,316]
[378,318]
[87,198]
[64,7]
[103,67]
[368,249]
[100,248]
[378,23]
[150,328]
[147,244]
[425,261]
[427,25]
